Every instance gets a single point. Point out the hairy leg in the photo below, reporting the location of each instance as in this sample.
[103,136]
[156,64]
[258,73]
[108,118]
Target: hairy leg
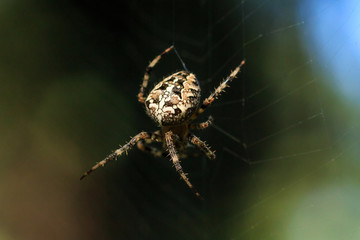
[151,65]
[217,91]
[152,150]
[203,125]
[202,146]
[176,161]
[119,152]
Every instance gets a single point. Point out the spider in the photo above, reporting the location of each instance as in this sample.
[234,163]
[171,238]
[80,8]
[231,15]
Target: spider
[173,104]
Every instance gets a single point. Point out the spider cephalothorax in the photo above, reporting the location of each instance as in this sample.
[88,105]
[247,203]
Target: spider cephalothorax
[173,103]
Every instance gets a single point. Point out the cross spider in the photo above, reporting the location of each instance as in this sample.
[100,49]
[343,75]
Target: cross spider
[173,104]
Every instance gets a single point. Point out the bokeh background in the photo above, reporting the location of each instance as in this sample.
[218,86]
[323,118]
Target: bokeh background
[286,132]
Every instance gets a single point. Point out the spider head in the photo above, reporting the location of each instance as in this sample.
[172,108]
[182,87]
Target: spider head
[173,100]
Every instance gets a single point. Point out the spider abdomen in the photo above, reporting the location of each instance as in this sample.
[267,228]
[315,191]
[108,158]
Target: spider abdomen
[174,99]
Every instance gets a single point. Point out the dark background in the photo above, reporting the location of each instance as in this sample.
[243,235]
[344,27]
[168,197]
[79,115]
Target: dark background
[70,72]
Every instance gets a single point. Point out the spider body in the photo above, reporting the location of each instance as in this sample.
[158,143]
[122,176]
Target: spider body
[180,133]
[174,99]
[173,104]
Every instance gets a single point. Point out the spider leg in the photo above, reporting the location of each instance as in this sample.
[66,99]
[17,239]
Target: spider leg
[176,162]
[118,152]
[155,136]
[202,146]
[217,91]
[203,125]
[151,65]
[141,145]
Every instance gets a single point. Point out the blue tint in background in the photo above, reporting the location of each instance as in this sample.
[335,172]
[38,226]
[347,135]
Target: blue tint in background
[69,75]
[332,35]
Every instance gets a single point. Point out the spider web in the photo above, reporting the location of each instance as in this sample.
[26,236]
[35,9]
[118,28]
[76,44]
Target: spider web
[273,132]
[285,131]
[277,122]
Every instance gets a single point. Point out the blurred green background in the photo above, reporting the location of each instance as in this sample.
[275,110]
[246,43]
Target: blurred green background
[69,75]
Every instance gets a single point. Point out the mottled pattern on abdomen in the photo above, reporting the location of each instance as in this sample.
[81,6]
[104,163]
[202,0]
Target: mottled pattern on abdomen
[174,99]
